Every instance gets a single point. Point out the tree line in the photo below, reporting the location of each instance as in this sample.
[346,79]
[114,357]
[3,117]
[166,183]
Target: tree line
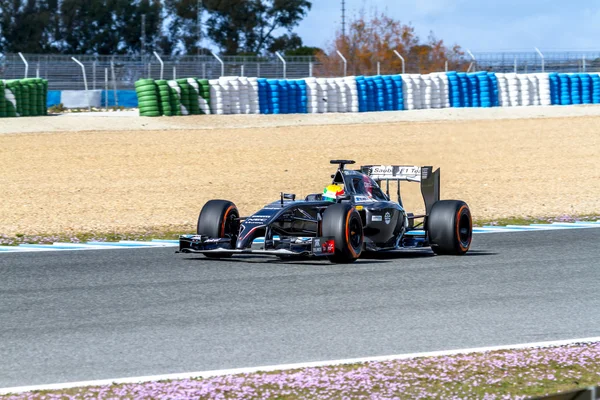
[236,27]
[103,27]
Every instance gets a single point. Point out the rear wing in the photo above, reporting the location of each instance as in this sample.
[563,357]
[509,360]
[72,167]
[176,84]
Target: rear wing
[429,179]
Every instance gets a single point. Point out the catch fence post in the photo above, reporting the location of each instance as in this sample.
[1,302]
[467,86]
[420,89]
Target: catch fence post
[402,59]
[284,64]
[221,62]
[472,65]
[114,79]
[106,88]
[162,65]
[345,62]
[542,57]
[87,94]
[26,64]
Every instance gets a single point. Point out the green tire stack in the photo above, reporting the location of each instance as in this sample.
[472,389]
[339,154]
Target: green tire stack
[185,96]
[147,94]
[2,101]
[41,97]
[164,96]
[30,85]
[14,102]
[25,101]
[175,97]
[204,94]
[194,95]
[45,97]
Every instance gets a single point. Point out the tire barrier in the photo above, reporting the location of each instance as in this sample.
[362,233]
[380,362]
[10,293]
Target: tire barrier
[148,98]
[478,89]
[23,98]
[241,95]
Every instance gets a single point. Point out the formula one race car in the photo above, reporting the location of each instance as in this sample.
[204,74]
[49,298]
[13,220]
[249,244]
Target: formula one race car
[352,216]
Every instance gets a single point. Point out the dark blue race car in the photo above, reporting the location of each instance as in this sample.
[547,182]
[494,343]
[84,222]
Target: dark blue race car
[352,216]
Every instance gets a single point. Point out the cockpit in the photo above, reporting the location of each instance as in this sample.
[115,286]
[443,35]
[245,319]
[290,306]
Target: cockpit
[358,184]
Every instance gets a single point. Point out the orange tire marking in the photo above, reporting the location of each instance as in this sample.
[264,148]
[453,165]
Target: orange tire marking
[225,221]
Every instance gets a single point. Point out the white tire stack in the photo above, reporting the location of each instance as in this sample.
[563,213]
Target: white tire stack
[503,97]
[322,95]
[216,97]
[436,91]
[441,97]
[534,89]
[340,86]
[332,96]
[408,89]
[312,94]
[234,95]
[544,89]
[352,93]
[426,92]
[524,82]
[514,89]
[419,89]
[244,93]
[253,96]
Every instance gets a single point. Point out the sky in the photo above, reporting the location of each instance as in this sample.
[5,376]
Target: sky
[477,25]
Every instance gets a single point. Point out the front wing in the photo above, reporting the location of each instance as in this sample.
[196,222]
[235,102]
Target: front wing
[279,246]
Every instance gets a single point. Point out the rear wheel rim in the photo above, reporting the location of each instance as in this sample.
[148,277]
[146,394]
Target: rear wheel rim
[464,230]
[355,234]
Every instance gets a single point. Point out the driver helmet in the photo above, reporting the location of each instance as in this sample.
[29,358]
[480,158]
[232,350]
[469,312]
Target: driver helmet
[331,192]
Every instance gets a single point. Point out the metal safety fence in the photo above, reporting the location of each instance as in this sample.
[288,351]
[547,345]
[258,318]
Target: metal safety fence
[121,72]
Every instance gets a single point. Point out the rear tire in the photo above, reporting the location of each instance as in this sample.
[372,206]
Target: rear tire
[219,219]
[450,227]
[342,222]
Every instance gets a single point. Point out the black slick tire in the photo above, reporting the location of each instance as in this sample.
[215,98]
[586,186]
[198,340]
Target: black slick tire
[219,219]
[342,222]
[450,227]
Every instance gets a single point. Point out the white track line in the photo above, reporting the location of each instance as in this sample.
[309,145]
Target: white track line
[283,367]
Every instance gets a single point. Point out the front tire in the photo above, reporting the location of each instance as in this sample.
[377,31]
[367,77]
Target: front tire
[342,222]
[219,219]
[450,227]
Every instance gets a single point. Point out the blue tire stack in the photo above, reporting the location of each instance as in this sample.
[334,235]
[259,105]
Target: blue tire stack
[575,89]
[454,89]
[484,90]
[274,96]
[554,88]
[302,97]
[495,90]
[371,94]
[263,97]
[565,89]
[284,91]
[595,88]
[361,86]
[586,88]
[379,95]
[465,89]
[398,93]
[388,92]
[474,90]
[292,97]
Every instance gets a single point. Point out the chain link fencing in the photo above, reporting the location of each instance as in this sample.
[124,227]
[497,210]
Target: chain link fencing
[121,72]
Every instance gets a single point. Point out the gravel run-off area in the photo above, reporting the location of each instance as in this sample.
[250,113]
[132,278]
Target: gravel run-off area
[116,172]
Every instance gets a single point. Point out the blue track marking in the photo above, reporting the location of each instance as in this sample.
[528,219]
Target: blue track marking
[154,243]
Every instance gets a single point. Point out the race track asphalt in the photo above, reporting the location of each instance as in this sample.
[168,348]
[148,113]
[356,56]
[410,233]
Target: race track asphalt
[85,315]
